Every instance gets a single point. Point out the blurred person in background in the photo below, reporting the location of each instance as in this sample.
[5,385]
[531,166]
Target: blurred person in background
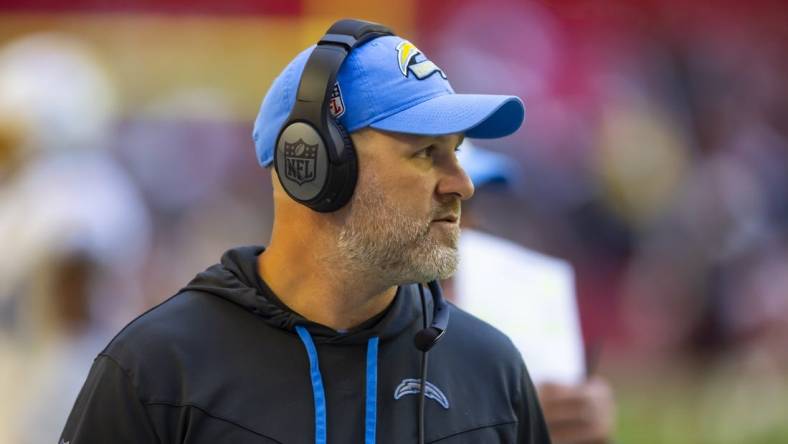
[201,199]
[659,167]
[73,229]
[530,297]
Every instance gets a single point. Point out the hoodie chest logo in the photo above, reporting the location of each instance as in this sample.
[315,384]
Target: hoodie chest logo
[411,386]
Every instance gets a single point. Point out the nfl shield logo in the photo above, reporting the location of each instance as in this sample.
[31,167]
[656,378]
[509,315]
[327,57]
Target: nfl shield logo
[336,106]
[300,161]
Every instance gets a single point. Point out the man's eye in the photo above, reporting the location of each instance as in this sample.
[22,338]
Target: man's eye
[425,153]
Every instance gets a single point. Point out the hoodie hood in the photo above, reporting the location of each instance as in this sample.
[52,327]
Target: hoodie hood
[236,279]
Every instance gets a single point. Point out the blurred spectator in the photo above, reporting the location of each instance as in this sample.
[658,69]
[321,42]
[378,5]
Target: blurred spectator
[190,158]
[531,298]
[73,227]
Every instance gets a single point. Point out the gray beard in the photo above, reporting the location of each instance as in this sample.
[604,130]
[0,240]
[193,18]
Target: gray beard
[378,240]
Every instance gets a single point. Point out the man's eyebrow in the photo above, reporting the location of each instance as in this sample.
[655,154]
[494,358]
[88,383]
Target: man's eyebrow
[438,139]
[447,139]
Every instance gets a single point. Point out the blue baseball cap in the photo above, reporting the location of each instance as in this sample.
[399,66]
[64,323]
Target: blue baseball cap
[388,84]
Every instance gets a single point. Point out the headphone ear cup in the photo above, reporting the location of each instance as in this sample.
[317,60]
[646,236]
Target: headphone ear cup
[343,175]
[341,139]
[307,172]
[301,162]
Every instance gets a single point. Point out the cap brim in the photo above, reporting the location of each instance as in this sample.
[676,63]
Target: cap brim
[479,116]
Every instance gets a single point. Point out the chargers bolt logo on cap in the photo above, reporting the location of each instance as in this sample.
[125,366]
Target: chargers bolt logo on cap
[406,56]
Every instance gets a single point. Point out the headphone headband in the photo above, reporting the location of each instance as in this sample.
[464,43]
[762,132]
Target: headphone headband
[358,30]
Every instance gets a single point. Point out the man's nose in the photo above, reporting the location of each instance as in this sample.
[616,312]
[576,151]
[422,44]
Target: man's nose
[455,181]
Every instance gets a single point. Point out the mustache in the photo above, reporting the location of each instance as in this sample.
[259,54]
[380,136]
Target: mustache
[450,211]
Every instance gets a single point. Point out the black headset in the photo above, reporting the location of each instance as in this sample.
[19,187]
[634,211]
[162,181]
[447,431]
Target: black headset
[314,157]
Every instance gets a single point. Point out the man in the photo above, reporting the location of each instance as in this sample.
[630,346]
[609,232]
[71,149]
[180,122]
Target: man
[312,338]
[534,304]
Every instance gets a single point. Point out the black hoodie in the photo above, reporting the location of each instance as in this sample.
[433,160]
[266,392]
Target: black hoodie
[224,361]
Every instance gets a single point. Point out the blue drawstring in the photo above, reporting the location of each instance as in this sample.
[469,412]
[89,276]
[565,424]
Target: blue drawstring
[371,411]
[371,405]
[317,385]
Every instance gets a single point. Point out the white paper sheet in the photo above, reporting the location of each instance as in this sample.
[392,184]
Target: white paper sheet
[528,296]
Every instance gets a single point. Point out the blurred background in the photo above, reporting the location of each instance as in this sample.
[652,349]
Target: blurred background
[654,158]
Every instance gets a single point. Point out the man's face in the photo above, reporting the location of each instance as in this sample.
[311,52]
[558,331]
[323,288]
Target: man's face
[403,220]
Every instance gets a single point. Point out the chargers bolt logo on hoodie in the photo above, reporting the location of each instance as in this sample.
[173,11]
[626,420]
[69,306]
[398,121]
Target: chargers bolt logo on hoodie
[406,57]
[412,386]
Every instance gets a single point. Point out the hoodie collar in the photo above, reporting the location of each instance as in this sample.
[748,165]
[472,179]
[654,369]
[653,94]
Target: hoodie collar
[236,279]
